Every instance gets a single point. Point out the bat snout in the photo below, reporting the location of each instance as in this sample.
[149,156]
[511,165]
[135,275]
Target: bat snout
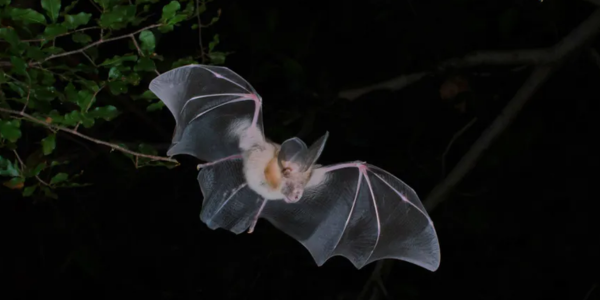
[293,197]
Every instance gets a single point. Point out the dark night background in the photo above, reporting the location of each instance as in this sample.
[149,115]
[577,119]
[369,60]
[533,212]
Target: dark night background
[521,225]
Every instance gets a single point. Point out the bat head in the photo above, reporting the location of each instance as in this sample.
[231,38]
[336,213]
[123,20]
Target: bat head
[292,184]
[296,162]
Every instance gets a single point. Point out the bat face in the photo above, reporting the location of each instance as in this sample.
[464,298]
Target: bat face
[296,162]
[293,182]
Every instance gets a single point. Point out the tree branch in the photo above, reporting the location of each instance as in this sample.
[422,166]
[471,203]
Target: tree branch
[91,139]
[96,43]
[567,45]
[575,41]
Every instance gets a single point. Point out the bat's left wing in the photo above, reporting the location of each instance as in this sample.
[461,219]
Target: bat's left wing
[361,212]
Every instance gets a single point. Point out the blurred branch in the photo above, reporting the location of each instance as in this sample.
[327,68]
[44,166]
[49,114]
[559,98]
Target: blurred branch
[32,119]
[81,50]
[200,31]
[595,56]
[595,2]
[538,57]
[576,40]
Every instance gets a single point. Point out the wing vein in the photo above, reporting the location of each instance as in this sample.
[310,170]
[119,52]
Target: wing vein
[217,106]
[243,185]
[376,213]
[403,197]
[360,175]
[227,79]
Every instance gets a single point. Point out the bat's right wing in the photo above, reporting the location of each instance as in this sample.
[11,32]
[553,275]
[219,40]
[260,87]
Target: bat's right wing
[215,109]
[361,212]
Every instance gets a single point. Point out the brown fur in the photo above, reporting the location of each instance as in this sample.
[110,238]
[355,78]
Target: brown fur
[273,173]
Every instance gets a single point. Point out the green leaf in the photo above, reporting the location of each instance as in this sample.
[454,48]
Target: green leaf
[16,183]
[28,191]
[52,7]
[37,170]
[27,15]
[54,50]
[145,64]
[53,30]
[155,106]
[69,7]
[176,19]
[147,149]
[108,112]
[217,58]
[86,121]
[213,43]
[133,78]
[71,93]
[48,144]
[4,2]
[19,65]
[118,60]
[48,192]
[10,130]
[117,87]
[84,99]
[35,53]
[81,38]
[59,177]
[183,62]
[118,17]
[147,95]
[148,42]
[8,168]
[9,35]
[169,10]
[114,73]
[89,84]
[166,28]
[74,21]
[72,118]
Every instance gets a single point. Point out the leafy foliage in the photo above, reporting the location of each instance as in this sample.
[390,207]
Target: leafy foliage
[55,79]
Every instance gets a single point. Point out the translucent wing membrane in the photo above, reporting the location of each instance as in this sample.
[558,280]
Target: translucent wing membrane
[354,210]
[294,150]
[228,201]
[214,109]
[360,212]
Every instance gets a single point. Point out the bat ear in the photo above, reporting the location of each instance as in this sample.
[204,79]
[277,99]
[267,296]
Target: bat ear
[315,150]
[294,150]
[291,151]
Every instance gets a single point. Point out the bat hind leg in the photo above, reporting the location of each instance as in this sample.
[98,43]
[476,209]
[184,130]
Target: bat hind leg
[200,166]
[255,219]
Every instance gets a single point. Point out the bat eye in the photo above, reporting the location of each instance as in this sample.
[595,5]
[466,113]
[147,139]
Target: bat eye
[286,172]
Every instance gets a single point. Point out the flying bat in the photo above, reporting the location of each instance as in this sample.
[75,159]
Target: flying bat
[351,209]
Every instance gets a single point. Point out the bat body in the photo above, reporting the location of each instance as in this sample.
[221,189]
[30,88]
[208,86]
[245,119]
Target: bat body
[351,209]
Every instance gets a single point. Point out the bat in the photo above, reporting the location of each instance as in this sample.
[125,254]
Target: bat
[352,209]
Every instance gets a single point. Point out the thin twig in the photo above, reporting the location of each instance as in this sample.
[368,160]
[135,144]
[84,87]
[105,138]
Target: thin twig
[454,138]
[96,43]
[200,30]
[89,105]
[91,139]
[137,46]
[22,167]
[26,101]
[62,34]
[96,6]
[587,295]
[89,58]
[21,163]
